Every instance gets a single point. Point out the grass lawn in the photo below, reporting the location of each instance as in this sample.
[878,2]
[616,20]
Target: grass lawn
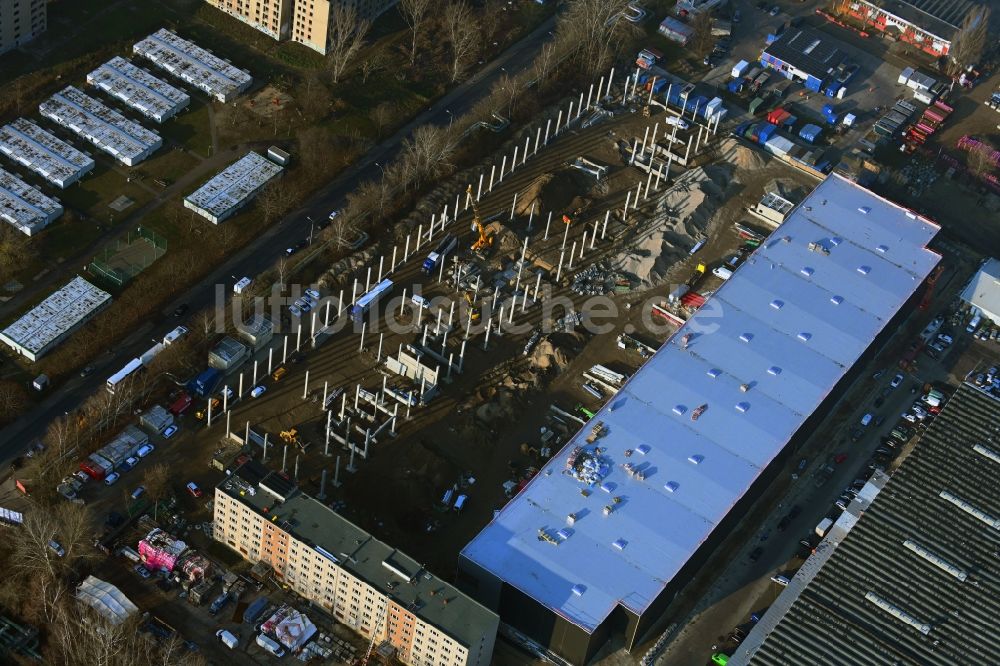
[191,129]
[168,165]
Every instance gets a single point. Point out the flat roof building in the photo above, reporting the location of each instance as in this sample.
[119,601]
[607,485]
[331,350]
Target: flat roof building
[125,140]
[611,529]
[804,55]
[929,25]
[915,580]
[227,353]
[983,290]
[21,21]
[51,321]
[233,188]
[47,155]
[257,332]
[367,585]
[24,207]
[138,89]
[194,65]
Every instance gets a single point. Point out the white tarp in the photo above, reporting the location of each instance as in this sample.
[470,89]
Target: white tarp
[106,599]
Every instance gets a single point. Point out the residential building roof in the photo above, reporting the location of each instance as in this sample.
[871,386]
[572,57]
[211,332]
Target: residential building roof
[387,569]
[941,18]
[50,157]
[24,206]
[229,189]
[60,312]
[134,86]
[916,579]
[193,64]
[696,425]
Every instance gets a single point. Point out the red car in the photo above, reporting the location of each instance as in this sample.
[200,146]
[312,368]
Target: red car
[193,488]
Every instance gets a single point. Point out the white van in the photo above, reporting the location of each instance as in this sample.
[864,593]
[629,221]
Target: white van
[270,645]
[231,641]
[129,554]
[242,285]
[722,272]
[866,419]
[974,324]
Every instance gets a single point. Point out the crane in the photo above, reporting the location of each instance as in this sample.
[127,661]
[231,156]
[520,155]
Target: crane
[485,241]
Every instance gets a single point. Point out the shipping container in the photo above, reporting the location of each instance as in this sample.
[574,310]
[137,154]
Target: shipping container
[740,69]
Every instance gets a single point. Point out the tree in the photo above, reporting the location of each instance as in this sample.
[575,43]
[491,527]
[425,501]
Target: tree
[426,154]
[979,160]
[314,97]
[463,34]
[382,115]
[370,65]
[15,251]
[587,29]
[346,36]
[701,39]
[13,400]
[544,63]
[970,42]
[415,13]
[156,481]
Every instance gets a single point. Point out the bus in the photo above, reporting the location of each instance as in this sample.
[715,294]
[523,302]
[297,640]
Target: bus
[360,309]
[131,368]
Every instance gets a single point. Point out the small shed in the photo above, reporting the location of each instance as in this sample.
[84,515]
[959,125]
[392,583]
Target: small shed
[156,419]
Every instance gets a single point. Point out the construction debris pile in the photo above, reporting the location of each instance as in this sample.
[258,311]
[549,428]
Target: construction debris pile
[289,627]
[588,465]
[599,280]
[559,191]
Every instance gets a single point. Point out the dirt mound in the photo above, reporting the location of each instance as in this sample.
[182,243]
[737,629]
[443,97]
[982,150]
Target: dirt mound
[546,355]
[552,191]
[685,213]
[422,466]
[740,156]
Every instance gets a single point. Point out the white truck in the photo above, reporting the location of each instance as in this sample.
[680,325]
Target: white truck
[823,527]
[228,639]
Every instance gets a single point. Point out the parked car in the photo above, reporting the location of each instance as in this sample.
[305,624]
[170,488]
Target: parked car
[110,479]
[258,391]
[142,571]
[138,492]
[145,450]
[169,432]
[896,381]
[780,580]
[87,370]
[289,251]
[56,548]
[313,294]
[181,310]
[193,488]
[128,464]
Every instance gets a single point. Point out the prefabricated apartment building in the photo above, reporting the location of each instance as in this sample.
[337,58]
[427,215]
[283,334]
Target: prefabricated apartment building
[51,321]
[194,65]
[603,538]
[24,207]
[233,188]
[47,155]
[138,89]
[125,140]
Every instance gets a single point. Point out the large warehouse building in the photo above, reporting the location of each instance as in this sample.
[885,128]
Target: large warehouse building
[367,585]
[24,207]
[137,88]
[233,188]
[51,321]
[929,25]
[194,65]
[125,140]
[602,539]
[983,290]
[916,580]
[50,157]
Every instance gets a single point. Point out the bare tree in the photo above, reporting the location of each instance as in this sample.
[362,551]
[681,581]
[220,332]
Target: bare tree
[347,32]
[979,159]
[14,251]
[275,200]
[382,115]
[281,268]
[463,33]
[544,63]
[156,481]
[970,42]
[13,400]
[588,28]
[426,153]
[415,13]
[701,39]
[313,96]
[66,525]
[371,64]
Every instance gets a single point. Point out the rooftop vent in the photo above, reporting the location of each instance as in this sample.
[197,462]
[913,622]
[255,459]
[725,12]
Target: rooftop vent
[936,560]
[607,486]
[578,589]
[836,240]
[864,210]
[898,613]
[571,519]
[836,300]
[774,370]
[804,336]
[671,486]
[742,407]
[565,533]
[620,544]
[642,448]
[746,337]
[970,509]
[988,452]
[714,372]
[864,270]
[882,248]
[696,459]
[679,410]
[819,247]
[777,305]
[807,271]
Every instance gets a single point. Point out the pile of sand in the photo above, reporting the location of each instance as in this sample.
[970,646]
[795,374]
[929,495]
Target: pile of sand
[546,355]
[552,191]
[741,156]
[682,218]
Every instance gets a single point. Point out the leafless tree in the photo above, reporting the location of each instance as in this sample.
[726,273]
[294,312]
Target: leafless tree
[14,251]
[313,96]
[274,200]
[427,153]
[544,63]
[13,400]
[490,16]
[701,39]
[463,33]
[371,64]
[588,29]
[970,42]
[415,13]
[65,524]
[347,34]
[281,268]
[979,159]
[382,115]
[156,481]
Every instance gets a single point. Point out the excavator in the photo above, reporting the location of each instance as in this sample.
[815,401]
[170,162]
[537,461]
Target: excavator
[485,240]
[475,310]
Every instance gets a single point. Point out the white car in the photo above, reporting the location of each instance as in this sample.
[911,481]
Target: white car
[909,416]
[896,381]
[334,214]
[145,450]
[169,432]
[257,391]
[313,294]
[677,121]
[110,479]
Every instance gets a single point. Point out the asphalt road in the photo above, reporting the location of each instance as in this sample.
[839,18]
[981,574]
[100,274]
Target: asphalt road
[263,252]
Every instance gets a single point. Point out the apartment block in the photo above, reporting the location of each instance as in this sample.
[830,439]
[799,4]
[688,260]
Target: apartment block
[20,22]
[303,21]
[364,583]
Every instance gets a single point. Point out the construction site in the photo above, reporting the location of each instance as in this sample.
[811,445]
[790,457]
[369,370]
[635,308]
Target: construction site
[495,333]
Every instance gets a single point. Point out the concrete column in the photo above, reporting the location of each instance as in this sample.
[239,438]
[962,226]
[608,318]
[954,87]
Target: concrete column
[548,222]
[493,170]
[284,351]
[538,137]
[326,315]
[225,399]
[336,474]
[298,337]
[604,228]
[565,236]
[305,386]
[503,167]
[368,280]
[354,292]
[593,236]
[524,153]
[583,244]
[513,206]
[312,326]
[255,372]
[240,393]
[479,190]
[406,249]
[229,432]
[569,114]
[635,147]
[562,254]
[489,327]
[270,358]
[645,137]
[420,233]
[208,417]
[513,162]
[326,388]
[392,266]
[548,124]
[579,106]
[340,298]
[361,347]
[649,178]
[531,216]
[378,359]
[572,253]
[538,284]
[558,121]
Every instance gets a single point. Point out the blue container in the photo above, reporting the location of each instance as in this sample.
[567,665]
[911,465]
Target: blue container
[814,84]
[766,132]
[827,109]
[643,78]
[734,85]
[659,85]
[810,132]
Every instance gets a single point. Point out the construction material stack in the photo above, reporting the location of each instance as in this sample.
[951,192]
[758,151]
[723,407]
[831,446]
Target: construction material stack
[930,122]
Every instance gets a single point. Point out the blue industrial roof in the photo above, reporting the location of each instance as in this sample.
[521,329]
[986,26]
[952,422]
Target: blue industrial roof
[788,325]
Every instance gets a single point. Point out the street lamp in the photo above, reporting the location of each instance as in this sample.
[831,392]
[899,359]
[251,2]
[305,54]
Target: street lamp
[380,169]
[312,225]
[451,117]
